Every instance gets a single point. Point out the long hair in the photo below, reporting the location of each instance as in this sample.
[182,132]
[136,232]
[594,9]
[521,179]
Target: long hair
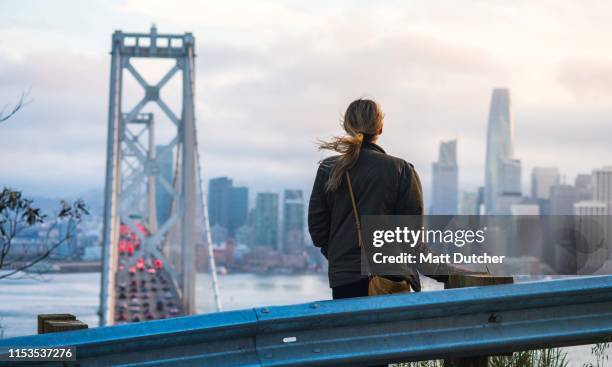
[362,120]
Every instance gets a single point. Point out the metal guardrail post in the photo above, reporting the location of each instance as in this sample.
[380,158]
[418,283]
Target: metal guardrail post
[53,323]
[462,281]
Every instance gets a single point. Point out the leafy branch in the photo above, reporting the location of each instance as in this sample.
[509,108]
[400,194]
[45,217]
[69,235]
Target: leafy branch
[18,214]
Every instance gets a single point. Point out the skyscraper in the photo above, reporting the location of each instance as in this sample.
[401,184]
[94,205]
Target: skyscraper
[562,199]
[602,187]
[445,180]
[542,179]
[163,196]
[602,184]
[238,208]
[584,185]
[266,219]
[469,203]
[228,205]
[293,222]
[219,191]
[510,178]
[502,170]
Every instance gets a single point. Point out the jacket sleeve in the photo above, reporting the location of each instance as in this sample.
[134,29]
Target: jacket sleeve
[410,202]
[318,213]
[410,196]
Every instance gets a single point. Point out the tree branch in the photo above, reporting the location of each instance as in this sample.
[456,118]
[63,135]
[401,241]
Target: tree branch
[44,255]
[17,214]
[22,102]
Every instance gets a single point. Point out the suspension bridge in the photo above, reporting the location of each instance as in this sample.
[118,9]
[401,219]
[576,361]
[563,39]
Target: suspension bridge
[149,248]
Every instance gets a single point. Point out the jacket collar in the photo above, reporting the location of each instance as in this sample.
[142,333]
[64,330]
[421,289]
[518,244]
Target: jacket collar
[372,146]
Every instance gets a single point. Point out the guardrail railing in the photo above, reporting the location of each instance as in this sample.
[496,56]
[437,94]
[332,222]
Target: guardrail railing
[365,331]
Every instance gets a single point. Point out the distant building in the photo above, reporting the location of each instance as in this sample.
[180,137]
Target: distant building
[601,203]
[590,208]
[244,235]
[227,205]
[505,202]
[469,203]
[164,182]
[584,185]
[266,219]
[480,202]
[219,191]
[445,180]
[526,233]
[602,186]
[509,188]
[92,253]
[525,209]
[562,199]
[502,170]
[510,174]
[67,248]
[593,230]
[218,234]
[251,217]
[542,179]
[293,222]
[595,233]
[238,208]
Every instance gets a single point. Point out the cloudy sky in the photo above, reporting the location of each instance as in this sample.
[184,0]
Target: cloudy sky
[273,76]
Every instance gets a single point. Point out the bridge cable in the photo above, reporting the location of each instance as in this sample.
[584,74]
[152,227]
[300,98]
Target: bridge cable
[208,239]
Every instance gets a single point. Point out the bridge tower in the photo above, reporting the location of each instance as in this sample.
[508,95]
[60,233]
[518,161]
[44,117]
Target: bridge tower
[148,260]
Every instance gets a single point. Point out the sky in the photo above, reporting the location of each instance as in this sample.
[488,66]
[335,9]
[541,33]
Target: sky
[272,77]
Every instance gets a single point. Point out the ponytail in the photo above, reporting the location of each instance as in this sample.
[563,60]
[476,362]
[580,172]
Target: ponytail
[349,148]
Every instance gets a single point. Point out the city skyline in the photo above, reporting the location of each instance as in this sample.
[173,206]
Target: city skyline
[559,94]
[232,207]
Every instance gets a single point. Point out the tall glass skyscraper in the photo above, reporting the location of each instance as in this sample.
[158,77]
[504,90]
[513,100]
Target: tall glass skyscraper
[502,171]
[219,192]
[266,219]
[238,207]
[445,180]
[293,222]
[228,205]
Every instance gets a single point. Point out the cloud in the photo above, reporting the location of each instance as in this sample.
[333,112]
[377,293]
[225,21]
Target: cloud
[272,77]
[587,79]
[278,112]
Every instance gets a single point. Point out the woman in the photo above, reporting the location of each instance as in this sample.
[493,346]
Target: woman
[382,185]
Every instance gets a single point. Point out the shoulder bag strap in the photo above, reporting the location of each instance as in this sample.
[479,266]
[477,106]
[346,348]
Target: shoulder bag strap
[355,212]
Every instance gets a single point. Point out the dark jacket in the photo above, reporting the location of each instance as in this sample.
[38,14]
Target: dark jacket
[383,185]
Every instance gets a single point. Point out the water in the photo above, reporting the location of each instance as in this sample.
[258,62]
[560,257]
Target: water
[21,300]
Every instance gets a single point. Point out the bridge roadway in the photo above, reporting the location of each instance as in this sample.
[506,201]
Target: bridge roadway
[357,332]
[144,288]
